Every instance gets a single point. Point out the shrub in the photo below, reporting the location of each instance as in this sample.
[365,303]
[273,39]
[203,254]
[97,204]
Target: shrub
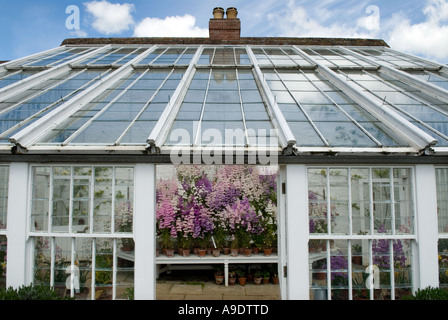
[428,293]
[31,293]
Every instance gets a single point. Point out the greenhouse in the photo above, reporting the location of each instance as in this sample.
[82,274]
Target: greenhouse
[323,161]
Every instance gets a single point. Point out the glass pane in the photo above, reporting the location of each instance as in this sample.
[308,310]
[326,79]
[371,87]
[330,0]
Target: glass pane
[3,250]
[340,201]
[62,261]
[124,193]
[125,275]
[404,206]
[42,261]
[40,198]
[382,259]
[61,199]
[81,198]
[318,205]
[4,183]
[359,262]
[381,188]
[442,199]
[443,263]
[402,268]
[339,270]
[83,260]
[360,201]
[104,269]
[318,269]
[102,200]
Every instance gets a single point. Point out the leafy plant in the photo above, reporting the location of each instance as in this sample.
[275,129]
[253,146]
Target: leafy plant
[129,293]
[31,292]
[266,274]
[240,273]
[429,293]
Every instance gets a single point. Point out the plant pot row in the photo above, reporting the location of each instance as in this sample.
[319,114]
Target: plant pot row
[215,252]
[219,279]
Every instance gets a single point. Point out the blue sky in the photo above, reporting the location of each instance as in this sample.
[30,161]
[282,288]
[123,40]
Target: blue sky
[419,27]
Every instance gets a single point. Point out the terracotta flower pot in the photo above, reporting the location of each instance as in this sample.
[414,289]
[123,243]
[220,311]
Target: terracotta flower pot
[257,280]
[247,252]
[216,252]
[202,252]
[232,281]
[242,281]
[267,251]
[234,252]
[255,251]
[265,280]
[226,251]
[186,252]
[169,253]
[275,280]
[219,279]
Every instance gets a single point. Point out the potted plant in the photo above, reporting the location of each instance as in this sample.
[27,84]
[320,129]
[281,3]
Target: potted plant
[234,247]
[241,277]
[258,277]
[232,278]
[123,224]
[357,254]
[274,277]
[219,274]
[266,277]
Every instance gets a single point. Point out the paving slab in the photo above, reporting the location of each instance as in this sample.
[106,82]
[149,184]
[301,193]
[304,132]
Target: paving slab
[170,297]
[186,289]
[211,289]
[262,290]
[163,288]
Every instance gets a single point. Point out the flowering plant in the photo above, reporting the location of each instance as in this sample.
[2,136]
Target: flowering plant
[318,214]
[230,203]
[339,267]
[166,211]
[124,216]
[3,254]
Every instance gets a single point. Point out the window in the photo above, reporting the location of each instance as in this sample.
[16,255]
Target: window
[4,180]
[442,213]
[360,217]
[82,223]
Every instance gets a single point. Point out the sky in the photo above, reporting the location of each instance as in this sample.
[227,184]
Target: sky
[418,27]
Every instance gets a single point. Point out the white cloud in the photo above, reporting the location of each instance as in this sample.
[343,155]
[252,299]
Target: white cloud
[428,38]
[372,20]
[109,18]
[176,26]
[78,33]
[295,21]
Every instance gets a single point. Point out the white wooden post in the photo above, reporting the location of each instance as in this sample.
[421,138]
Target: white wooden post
[144,232]
[426,226]
[297,228]
[17,226]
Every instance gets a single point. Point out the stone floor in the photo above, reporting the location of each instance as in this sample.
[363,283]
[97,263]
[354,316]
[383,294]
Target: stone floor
[195,290]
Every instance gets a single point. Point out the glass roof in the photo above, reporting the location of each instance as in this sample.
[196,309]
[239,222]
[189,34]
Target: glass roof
[223,96]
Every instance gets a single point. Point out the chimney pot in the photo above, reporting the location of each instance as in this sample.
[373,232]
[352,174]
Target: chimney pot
[231,13]
[225,29]
[218,13]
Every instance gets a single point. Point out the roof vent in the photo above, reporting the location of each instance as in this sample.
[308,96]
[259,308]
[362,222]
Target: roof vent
[224,29]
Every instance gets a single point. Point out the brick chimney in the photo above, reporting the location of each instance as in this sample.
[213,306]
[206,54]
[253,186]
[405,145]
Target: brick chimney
[224,29]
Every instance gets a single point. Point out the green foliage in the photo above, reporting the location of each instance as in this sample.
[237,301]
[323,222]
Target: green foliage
[129,293]
[428,293]
[31,293]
